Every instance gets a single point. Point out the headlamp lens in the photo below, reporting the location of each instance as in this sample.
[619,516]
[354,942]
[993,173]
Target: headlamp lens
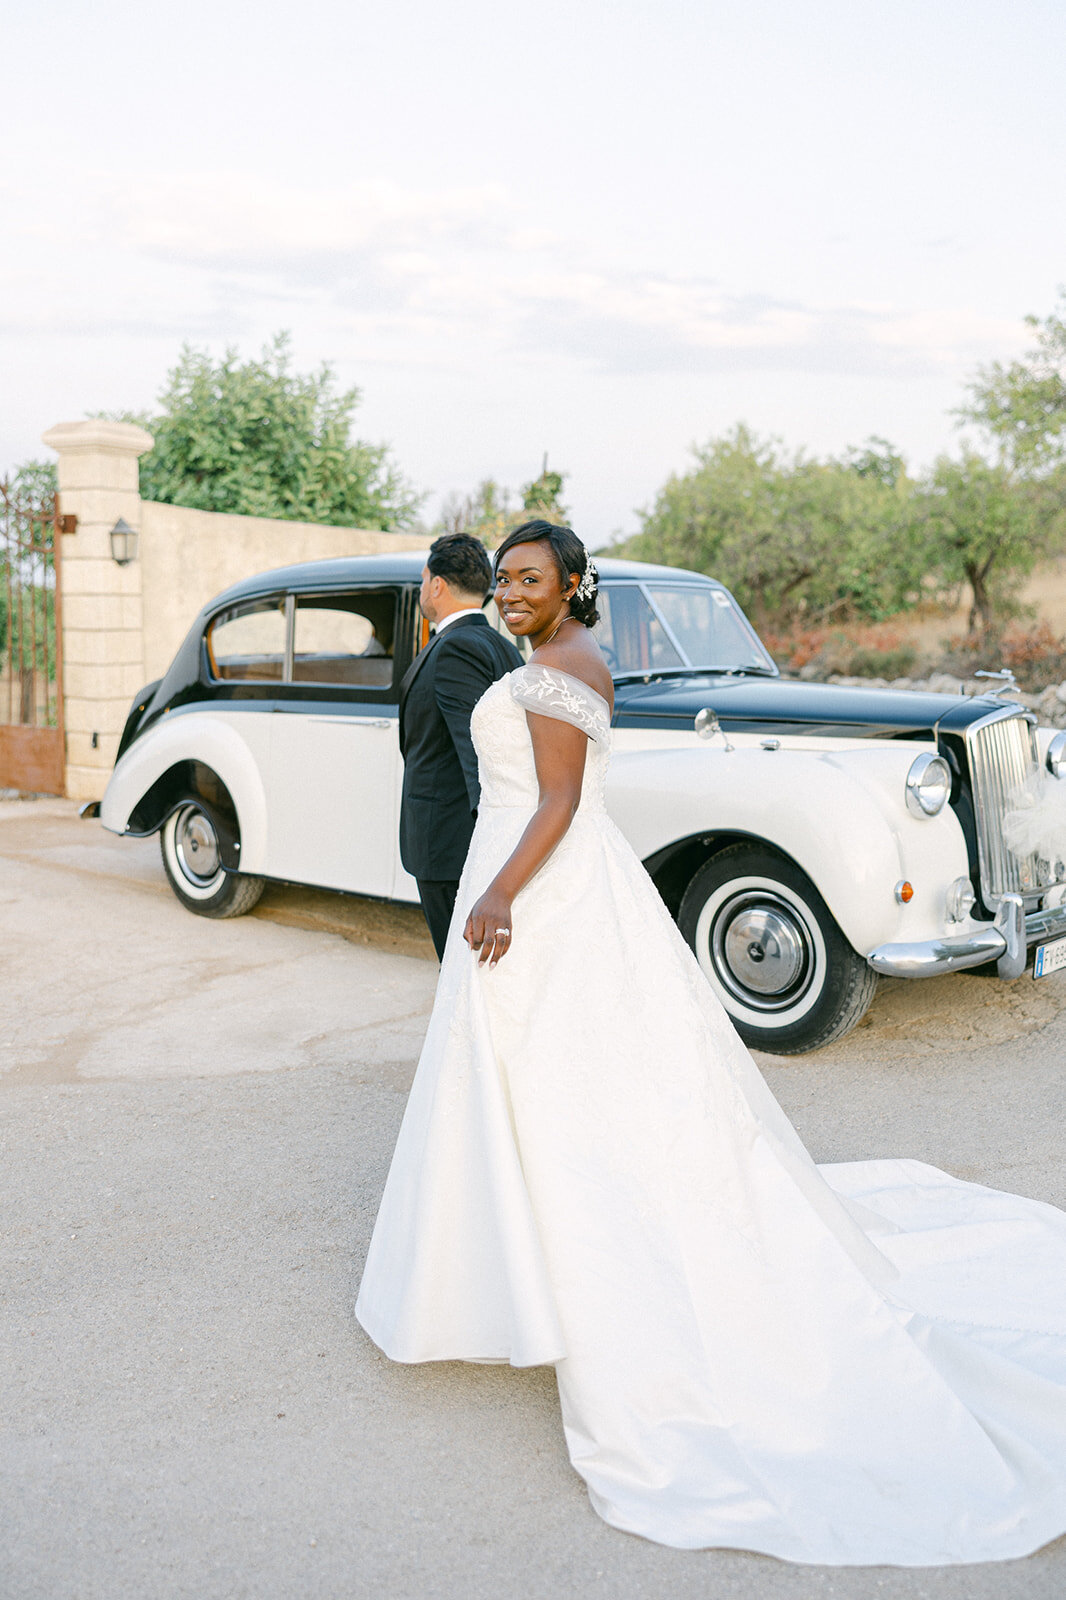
[928,785]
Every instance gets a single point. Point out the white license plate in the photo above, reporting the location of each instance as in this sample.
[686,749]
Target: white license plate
[1049,958]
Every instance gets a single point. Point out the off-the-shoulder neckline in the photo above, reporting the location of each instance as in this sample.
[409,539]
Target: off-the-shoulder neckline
[541,666]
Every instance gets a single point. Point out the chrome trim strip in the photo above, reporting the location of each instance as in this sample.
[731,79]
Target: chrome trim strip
[1004,941]
[1041,925]
[359,722]
[290,637]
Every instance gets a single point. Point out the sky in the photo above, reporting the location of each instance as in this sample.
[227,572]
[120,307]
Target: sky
[602,231]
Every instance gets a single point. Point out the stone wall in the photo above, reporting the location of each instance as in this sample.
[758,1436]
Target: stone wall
[122,624]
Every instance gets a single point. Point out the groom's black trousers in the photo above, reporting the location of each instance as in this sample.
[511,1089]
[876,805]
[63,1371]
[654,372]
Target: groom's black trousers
[438,903]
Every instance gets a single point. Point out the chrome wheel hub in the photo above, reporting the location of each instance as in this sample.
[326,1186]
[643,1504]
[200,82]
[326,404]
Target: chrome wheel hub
[196,846]
[761,950]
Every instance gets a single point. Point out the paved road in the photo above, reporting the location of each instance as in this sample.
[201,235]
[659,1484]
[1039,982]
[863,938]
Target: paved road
[196,1123]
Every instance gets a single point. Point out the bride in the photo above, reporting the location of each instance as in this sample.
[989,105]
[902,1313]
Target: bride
[861,1363]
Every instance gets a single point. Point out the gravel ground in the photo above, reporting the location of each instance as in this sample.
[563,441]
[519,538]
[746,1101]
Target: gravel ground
[195,1123]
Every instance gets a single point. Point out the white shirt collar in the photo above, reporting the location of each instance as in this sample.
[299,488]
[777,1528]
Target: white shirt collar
[453,616]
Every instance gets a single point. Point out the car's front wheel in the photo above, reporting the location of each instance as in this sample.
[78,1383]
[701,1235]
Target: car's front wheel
[772,951]
[192,859]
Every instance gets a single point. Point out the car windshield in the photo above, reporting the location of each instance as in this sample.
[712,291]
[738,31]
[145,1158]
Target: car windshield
[663,627]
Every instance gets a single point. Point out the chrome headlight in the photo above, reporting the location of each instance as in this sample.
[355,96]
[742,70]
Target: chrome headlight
[928,785]
[1056,756]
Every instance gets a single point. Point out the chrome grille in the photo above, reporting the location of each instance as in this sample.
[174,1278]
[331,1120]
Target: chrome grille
[1003,757]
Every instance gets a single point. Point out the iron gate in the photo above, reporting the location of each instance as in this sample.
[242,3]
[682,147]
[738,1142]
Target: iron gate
[31,651]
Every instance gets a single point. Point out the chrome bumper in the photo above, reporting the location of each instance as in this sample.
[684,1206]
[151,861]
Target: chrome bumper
[1004,941]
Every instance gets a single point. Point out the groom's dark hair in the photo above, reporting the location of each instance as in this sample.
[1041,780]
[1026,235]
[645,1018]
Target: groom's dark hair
[463,562]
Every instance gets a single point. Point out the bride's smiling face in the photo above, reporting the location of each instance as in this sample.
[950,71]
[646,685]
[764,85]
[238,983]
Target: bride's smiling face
[530,597]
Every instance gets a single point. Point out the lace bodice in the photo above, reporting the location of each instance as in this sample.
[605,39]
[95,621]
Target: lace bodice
[505,750]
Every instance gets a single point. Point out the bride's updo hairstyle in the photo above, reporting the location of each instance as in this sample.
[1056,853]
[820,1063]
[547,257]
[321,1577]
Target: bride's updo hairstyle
[569,555]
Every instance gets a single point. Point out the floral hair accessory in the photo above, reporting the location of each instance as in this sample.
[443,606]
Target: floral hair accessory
[590,578]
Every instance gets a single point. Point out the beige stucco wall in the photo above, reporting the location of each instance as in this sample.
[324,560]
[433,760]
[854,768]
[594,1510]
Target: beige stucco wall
[187,557]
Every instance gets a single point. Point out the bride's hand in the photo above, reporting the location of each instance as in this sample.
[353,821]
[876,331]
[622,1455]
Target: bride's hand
[488,927]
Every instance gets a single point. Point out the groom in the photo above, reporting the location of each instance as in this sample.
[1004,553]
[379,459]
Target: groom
[438,693]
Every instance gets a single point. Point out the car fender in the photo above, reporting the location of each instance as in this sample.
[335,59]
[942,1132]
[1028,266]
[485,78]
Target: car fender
[235,746]
[841,817]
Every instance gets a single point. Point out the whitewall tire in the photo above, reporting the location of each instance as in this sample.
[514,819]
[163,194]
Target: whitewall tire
[192,859]
[772,952]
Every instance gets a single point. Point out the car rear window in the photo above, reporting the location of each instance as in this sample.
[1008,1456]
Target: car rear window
[248,642]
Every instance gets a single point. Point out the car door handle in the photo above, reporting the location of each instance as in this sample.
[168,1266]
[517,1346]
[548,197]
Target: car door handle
[362,722]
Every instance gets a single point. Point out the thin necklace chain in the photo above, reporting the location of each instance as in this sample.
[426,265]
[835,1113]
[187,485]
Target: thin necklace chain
[555,630]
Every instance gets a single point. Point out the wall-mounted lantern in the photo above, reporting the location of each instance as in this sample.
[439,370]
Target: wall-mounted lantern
[123,543]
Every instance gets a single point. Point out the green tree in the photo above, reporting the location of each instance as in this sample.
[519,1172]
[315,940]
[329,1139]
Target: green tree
[985,527]
[33,482]
[489,515]
[878,459]
[1021,406]
[792,536]
[257,438]
[542,497]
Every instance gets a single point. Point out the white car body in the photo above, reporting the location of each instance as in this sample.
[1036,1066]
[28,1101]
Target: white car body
[277,777]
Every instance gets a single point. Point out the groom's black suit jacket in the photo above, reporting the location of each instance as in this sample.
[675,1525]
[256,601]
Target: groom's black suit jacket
[440,784]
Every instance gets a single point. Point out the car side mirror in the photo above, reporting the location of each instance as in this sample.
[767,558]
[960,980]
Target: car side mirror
[707,726]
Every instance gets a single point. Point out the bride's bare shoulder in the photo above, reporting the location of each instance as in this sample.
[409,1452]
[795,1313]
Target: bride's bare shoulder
[577,654]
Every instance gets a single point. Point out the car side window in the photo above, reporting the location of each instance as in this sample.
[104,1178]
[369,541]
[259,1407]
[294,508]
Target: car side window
[248,642]
[344,639]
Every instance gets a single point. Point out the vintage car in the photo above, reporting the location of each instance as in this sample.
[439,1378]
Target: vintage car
[806,837]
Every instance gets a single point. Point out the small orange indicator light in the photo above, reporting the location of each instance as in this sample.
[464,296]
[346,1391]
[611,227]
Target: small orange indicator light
[905,892]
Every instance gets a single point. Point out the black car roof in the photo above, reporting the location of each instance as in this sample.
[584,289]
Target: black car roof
[405,566]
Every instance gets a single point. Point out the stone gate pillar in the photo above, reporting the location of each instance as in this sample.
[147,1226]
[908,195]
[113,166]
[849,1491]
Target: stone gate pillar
[102,619]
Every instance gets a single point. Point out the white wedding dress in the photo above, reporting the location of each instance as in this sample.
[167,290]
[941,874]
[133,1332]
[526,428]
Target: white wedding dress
[861,1363]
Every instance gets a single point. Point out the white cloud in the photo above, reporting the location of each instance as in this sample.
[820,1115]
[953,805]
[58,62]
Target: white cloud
[221,218]
[420,271]
[421,268]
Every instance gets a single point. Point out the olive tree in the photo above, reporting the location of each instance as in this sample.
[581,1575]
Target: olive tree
[791,535]
[983,527]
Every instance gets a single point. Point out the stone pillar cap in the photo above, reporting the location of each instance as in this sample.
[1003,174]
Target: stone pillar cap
[112,438]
